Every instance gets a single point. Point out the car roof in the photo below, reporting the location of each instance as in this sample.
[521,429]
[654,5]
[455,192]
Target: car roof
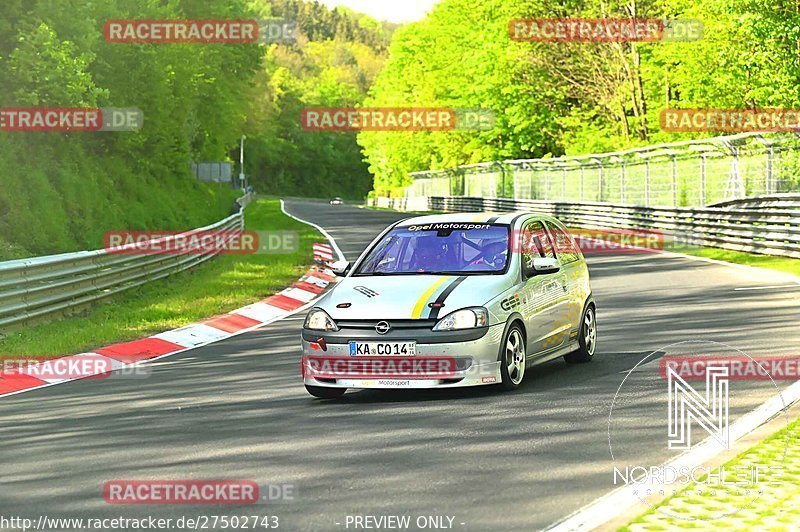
[503,218]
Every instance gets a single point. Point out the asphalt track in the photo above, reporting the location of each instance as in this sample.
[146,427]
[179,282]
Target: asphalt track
[494,461]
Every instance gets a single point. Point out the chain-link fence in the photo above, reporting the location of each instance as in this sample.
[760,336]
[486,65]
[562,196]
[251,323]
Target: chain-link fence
[680,174]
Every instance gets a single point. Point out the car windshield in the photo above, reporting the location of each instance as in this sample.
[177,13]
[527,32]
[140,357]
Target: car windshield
[445,248]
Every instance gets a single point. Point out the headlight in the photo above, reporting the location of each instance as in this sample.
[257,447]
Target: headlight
[318,320]
[468,318]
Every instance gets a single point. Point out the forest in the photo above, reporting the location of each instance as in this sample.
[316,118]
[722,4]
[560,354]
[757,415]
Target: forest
[557,98]
[61,190]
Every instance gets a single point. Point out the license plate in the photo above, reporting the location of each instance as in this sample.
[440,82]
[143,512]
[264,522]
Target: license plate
[395,349]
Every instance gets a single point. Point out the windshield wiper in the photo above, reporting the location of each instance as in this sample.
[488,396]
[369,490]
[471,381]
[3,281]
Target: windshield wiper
[381,274]
[452,272]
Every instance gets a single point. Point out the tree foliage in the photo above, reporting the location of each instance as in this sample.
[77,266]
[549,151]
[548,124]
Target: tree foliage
[61,191]
[333,64]
[575,98]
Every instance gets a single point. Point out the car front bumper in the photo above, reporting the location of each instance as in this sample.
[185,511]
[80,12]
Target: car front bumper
[435,365]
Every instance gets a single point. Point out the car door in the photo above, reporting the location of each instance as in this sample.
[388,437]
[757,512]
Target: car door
[542,293]
[569,279]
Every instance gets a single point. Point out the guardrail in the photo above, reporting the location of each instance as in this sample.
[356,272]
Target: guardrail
[677,174]
[36,288]
[768,225]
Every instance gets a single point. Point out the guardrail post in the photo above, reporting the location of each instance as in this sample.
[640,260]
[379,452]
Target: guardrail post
[646,182]
[26,283]
[582,177]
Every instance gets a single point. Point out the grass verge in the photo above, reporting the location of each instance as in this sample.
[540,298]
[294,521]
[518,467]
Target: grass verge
[772,504]
[781,264]
[221,285]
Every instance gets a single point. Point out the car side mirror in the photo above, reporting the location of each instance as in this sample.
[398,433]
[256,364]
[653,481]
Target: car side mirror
[542,266]
[340,267]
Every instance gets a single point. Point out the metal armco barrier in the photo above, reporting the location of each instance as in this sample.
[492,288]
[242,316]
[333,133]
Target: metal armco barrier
[40,287]
[768,225]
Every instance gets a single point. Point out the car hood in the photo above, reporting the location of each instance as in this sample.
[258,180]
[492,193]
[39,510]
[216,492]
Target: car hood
[409,296]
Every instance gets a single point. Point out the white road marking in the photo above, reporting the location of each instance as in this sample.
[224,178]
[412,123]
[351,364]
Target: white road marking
[327,235]
[772,287]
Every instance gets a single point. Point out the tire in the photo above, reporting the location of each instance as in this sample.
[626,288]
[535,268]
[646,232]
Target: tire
[587,338]
[512,358]
[324,392]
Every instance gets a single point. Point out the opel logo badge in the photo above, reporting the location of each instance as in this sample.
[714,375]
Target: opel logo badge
[382,327]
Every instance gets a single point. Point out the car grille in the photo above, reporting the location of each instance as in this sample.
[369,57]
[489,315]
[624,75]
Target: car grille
[396,325]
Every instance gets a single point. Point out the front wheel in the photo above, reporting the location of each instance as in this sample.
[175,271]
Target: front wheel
[512,363]
[587,339]
[324,392]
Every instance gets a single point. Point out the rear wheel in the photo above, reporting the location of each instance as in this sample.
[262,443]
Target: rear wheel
[512,362]
[587,339]
[324,392]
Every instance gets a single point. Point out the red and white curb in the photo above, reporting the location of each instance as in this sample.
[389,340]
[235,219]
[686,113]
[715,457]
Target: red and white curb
[113,357]
[323,253]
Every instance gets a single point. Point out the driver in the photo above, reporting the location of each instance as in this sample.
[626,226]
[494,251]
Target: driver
[432,254]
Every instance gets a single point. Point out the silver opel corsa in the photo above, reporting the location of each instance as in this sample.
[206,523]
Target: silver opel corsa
[453,300]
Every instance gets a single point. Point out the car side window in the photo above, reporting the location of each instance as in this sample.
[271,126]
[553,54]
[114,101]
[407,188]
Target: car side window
[535,243]
[565,245]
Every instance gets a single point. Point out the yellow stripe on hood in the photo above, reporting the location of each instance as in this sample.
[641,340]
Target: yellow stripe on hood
[420,306]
